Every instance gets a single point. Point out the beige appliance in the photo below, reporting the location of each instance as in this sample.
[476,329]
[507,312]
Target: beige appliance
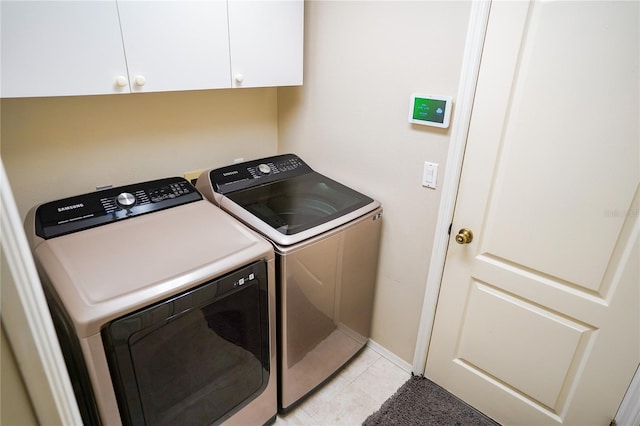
[163,304]
[326,239]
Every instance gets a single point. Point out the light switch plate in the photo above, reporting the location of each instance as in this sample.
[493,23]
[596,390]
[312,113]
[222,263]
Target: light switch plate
[430,175]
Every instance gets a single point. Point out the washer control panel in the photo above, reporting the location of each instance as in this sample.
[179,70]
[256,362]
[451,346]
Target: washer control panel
[85,211]
[258,172]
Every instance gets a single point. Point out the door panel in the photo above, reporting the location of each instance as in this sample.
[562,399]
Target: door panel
[537,318]
[533,335]
[567,95]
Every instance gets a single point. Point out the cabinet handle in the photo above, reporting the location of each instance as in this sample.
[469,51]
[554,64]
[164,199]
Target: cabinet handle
[140,80]
[239,78]
[121,81]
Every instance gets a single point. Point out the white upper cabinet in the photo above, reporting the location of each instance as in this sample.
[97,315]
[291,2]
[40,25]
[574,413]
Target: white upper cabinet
[63,48]
[266,42]
[176,45]
[55,48]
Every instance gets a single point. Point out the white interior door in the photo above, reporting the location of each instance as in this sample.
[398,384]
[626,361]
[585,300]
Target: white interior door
[538,316]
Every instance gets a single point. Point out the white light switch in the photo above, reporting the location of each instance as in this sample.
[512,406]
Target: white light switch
[430,175]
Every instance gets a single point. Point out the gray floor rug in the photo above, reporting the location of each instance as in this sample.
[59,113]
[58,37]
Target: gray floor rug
[421,402]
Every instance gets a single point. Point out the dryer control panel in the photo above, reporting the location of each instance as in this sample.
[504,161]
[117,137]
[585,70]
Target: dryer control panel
[257,172]
[85,211]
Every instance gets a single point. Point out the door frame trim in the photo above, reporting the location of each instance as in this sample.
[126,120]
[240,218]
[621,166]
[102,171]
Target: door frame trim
[474,43]
[28,324]
[629,410]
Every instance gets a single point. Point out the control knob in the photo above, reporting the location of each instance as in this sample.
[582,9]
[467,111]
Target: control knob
[126,199]
[264,169]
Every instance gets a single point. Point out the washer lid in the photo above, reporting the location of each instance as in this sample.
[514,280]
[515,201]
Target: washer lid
[300,203]
[103,272]
[283,198]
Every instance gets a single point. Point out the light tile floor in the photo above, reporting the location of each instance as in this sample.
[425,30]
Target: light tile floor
[351,396]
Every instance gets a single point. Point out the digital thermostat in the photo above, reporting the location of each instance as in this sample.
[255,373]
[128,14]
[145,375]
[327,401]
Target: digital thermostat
[430,110]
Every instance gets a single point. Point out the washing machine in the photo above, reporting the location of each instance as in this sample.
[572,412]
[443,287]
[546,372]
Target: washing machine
[163,304]
[326,239]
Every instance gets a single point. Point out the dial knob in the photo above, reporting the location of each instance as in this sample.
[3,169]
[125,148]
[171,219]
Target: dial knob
[264,169]
[126,199]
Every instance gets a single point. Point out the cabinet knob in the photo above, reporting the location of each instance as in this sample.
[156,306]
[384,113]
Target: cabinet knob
[140,80]
[239,78]
[121,81]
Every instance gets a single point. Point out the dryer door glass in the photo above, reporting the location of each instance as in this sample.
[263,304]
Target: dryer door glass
[300,203]
[196,358]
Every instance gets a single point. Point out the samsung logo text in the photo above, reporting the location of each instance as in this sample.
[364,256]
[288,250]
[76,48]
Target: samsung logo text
[70,207]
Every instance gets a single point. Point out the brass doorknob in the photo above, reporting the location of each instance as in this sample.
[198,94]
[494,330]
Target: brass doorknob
[464,236]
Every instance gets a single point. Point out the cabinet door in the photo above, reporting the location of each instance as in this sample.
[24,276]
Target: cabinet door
[56,48]
[266,39]
[176,45]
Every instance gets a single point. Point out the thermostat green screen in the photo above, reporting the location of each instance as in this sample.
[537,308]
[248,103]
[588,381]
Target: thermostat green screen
[430,110]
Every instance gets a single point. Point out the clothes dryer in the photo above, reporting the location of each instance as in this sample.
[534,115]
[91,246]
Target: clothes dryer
[326,238]
[163,305]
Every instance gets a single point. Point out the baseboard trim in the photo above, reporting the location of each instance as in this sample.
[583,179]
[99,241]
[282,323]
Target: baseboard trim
[387,354]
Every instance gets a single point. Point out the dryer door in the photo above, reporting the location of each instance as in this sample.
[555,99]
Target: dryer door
[196,358]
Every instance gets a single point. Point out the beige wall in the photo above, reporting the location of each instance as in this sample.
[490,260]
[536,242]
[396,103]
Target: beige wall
[15,405]
[362,61]
[57,147]
[349,120]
